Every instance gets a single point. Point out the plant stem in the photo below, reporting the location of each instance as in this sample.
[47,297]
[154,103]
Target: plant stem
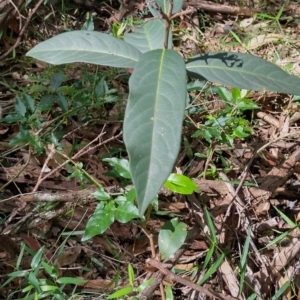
[167,17]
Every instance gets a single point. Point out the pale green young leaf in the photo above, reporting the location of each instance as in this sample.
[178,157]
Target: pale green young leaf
[47,288]
[171,237]
[101,194]
[169,293]
[71,280]
[181,184]
[126,211]
[120,293]
[145,284]
[131,274]
[155,6]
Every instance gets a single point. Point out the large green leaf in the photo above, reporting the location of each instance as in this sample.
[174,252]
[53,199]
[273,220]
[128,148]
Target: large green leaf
[153,120]
[86,46]
[154,6]
[243,71]
[148,37]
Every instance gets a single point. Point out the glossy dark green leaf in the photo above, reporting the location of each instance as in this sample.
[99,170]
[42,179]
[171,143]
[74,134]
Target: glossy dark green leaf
[126,211]
[99,221]
[181,184]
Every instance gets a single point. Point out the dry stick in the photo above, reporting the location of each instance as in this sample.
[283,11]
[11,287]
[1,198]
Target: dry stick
[49,157]
[185,282]
[158,276]
[182,13]
[52,152]
[218,8]
[22,32]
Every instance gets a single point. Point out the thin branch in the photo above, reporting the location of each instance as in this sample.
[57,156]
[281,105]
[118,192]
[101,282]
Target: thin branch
[22,32]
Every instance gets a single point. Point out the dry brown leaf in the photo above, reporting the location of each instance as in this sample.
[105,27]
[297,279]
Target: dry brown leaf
[69,256]
[97,284]
[284,257]
[230,278]
[184,267]
[263,39]
[262,208]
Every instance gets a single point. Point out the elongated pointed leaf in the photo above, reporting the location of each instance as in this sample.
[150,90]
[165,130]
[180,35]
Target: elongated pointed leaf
[86,46]
[244,71]
[154,6]
[164,4]
[148,37]
[153,120]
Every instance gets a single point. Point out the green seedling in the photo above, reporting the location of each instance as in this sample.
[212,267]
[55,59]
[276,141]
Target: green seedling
[131,288]
[157,99]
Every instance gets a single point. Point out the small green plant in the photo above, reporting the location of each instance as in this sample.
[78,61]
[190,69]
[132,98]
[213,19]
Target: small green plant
[34,287]
[33,107]
[121,205]
[227,124]
[158,89]
[131,288]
